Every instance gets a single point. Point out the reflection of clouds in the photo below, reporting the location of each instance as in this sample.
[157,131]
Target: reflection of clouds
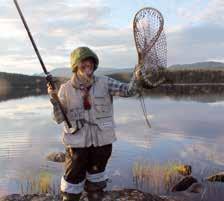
[3,189]
[143,142]
[18,109]
[131,118]
[13,144]
[174,136]
[220,103]
[24,124]
[132,128]
[202,151]
[187,134]
[27,134]
[178,132]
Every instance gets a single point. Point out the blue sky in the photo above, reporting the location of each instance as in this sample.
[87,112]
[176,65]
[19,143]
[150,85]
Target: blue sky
[194,31]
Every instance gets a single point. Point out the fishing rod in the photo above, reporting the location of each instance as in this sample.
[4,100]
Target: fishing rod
[49,77]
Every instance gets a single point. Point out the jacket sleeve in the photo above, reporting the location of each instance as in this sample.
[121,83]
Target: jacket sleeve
[117,88]
[57,114]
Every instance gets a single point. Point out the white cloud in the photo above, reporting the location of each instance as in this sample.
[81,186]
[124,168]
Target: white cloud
[55,26]
[60,26]
[200,35]
[213,13]
[199,42]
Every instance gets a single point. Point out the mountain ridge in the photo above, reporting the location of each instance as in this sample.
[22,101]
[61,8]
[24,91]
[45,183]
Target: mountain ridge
[199,65]
[208,65]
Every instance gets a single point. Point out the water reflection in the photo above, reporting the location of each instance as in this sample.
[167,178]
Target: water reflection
[183,130]
[20,92]
[197,92]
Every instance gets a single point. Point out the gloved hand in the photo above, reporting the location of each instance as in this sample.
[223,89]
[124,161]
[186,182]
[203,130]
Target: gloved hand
[137,71]
[53,93]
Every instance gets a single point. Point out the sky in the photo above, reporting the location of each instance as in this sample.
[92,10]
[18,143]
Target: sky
[194,31]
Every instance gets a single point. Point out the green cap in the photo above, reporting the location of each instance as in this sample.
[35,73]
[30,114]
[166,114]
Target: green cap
[80,54]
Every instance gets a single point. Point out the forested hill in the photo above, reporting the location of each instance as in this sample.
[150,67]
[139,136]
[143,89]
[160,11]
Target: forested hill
[15,80]
[12,80]
[13,85]
[208,65]
[187,76]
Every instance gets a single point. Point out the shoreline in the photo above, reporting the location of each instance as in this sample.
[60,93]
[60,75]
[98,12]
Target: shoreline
[115,195]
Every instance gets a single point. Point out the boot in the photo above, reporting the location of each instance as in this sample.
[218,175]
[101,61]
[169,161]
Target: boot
[95,195]
[95,190]
[70,197]
[95,186]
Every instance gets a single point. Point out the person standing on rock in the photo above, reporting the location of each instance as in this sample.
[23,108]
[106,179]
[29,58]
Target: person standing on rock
[88,102]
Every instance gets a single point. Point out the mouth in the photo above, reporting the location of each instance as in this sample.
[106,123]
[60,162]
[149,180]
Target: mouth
[89,72]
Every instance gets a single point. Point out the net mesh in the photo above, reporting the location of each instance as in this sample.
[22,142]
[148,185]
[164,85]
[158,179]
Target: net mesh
[150,40]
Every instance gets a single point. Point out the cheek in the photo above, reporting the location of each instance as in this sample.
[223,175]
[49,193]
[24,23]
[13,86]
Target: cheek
[89,71]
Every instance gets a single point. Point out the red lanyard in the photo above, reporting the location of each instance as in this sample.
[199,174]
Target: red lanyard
[86,98]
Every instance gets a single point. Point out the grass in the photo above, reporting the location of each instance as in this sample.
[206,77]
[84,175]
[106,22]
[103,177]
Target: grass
[158,178]
[42,183]
[149,177]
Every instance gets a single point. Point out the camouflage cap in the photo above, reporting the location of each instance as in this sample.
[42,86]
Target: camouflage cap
[80,54]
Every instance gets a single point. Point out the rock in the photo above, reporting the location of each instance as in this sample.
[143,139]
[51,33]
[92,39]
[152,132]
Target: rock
[34,197]
[184,170]
[184,184]
[122,195]
[196,188]
[13,197]
[219,177]
[56,157]
[184,196]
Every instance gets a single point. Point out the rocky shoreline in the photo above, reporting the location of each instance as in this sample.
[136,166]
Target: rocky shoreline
[119,195]
[187,188]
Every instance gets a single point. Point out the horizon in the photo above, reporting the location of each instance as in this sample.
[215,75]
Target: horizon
[112,68]
[193,28]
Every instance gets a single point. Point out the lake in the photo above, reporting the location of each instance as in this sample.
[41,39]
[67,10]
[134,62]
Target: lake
[183,130]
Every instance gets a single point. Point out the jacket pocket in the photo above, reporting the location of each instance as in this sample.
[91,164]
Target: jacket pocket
[106,124]
[76,114]
[102,107]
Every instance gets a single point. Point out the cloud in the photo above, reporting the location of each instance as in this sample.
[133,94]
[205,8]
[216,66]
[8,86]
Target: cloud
[197,43]
[60,26]
[213,13]
[55,26]
[200,36]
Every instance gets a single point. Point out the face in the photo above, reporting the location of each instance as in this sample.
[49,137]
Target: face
[87,67]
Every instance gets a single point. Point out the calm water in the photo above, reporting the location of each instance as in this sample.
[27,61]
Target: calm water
[182,130]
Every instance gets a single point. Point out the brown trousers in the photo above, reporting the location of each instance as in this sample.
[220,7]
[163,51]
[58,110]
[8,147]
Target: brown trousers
[79,161]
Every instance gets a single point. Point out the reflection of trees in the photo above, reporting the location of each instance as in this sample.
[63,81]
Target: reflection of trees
[202,93]
[21,92]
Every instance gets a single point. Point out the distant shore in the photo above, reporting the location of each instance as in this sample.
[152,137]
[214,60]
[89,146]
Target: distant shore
[192,83]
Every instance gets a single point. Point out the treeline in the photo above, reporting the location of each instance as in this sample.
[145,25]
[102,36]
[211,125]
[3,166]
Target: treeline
[13,85]
[183,76]
[195,76]
[14,80]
